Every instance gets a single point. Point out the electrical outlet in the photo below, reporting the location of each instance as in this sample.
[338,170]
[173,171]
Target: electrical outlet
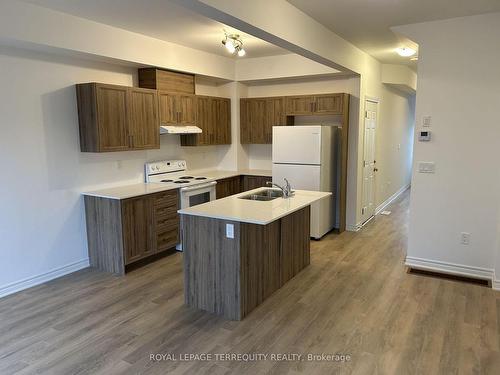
[230,230]
[465,238]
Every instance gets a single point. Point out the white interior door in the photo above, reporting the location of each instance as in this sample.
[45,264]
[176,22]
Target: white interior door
[369,162]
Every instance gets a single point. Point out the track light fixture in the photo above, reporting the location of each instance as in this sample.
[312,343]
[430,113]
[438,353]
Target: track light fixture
[233,44]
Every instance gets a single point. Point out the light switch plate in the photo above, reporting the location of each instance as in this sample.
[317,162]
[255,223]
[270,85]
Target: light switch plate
[426,167]
[230,230]
[427,121]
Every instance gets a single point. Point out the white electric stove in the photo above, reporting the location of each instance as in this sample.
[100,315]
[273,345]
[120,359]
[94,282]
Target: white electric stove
[194,188]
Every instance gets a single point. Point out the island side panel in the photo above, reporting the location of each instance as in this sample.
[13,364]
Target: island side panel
[104,234]
[260,263]
[211,266]
[295,243]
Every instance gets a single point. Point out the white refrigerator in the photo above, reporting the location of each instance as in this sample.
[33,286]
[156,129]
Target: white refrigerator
[307,157]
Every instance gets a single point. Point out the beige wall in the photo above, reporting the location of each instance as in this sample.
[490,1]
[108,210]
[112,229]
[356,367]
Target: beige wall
[394,143]
[458,86]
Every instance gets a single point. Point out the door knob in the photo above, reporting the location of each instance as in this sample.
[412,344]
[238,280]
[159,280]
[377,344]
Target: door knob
[375,169]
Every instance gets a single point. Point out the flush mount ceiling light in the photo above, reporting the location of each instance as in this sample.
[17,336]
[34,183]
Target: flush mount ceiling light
[233,44]
[405,51]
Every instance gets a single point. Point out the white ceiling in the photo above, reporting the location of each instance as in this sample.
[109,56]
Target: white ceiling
[163,20]
[366,23]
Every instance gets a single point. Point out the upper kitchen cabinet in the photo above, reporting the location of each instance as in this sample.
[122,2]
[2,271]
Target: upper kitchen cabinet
[258,116]
[117,118]
[213,116]
[164,80]
[299,105]
[323,104]
[222,120]
[177,109]
[143,118]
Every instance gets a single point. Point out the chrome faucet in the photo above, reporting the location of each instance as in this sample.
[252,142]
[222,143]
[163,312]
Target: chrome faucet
[286,189]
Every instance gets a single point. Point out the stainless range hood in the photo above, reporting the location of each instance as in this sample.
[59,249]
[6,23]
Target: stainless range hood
[179,129]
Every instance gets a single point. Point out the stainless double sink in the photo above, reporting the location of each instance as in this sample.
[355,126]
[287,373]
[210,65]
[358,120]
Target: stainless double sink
[263,195]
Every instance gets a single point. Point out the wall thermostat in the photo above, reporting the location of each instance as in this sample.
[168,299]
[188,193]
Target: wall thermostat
[424,135]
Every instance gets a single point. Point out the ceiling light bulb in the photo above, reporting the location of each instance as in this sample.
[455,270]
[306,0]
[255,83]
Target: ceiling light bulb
[230,45]
[241,52]
[405,51]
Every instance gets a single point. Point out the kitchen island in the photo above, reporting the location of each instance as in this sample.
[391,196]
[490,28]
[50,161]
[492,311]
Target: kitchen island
[238,251]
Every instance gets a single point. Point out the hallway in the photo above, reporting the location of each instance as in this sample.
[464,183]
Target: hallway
[354,299]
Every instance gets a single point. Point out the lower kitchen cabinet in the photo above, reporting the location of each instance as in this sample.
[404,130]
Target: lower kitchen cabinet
[121,232]
[228,186]
[254,182]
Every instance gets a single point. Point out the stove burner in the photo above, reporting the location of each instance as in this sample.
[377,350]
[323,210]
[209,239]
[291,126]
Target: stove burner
[166,180]
[181,182]
[200,178]
[186,177]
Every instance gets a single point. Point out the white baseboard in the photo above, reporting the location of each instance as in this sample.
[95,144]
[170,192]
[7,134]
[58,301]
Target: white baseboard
[42,278]
[388,201]
[495,283]
[451,268]
[392,198]
[353,228]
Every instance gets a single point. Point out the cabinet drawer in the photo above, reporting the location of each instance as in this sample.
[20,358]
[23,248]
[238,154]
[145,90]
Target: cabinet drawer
[167,240]
[168,199]
[163,211]
[167,223]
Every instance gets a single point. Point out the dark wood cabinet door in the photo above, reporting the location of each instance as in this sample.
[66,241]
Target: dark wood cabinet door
[144,124]
[328,104]
[299,105]
[112,117]
[168,108]
[203,119]
[254,182]
[245,121]
[222,121]
[257,121]
[186,107]
[138,224]
[228,186]
[275,116]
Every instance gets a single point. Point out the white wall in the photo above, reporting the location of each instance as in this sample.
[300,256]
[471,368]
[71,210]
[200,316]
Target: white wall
[394,143]
[458,85]
[43,172]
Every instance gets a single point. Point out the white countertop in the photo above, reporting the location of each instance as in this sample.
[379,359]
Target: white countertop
[255,212]
[136,190]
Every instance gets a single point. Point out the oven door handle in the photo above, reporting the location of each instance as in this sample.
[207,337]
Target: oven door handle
[198,187]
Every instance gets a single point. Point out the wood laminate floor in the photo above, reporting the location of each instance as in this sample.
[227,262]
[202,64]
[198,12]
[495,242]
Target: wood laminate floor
[355,298]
